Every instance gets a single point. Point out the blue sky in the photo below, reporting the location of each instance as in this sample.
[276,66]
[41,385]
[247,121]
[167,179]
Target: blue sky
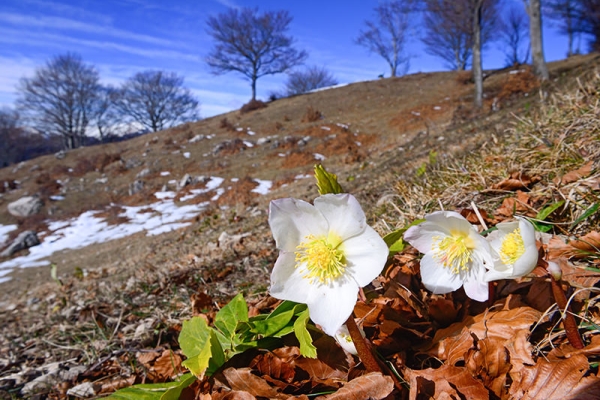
[122,37]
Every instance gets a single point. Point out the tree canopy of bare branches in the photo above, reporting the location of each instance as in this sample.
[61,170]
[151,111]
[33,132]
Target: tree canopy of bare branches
[449,29]
[60,98]
[388,34]
[311,78]
[157,100]
[251,44]
[565,14]
[587,21]
[514,34]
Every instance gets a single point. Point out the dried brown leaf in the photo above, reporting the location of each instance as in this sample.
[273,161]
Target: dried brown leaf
[575,175]
[167,365]
[369,386]
[563,379]
[446,382]
[490,361]
[243,380]
[517,181]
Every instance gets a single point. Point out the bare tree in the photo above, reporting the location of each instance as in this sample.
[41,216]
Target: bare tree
[157,100]
[565,14]
[60,98]
[514,32]
[587,21]
[311,78]
[477,9]
[449,29]
[540,68]
[252,44]
[388,34]
[108,119]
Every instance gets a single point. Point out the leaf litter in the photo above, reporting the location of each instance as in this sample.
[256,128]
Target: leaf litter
[110,335]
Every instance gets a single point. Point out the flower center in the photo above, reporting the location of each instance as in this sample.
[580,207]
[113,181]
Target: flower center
[453,251]
[322,257]
[512,247]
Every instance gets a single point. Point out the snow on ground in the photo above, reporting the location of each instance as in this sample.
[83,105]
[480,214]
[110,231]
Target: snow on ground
[263,186]
[86,229]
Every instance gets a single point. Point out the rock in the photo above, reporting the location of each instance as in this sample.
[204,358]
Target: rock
[230,241]
[136,187]
[196,138]
[143,173]
[60,155]
[25,240]
[25,206]
[83,390]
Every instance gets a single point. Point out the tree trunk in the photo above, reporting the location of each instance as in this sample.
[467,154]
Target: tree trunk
[477,67]
[535,38]
[253,88]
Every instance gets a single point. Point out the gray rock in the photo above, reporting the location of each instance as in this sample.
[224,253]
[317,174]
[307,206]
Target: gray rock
[136,187]
[25,240]
[143,173]
[186,180]
[25,206]
[60,155]
[83,390]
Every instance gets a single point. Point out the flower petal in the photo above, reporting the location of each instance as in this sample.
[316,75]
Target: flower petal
[291,220]
[437,278]
[366,255]
[344,214]
[287,282]
[475,286]
[330,308]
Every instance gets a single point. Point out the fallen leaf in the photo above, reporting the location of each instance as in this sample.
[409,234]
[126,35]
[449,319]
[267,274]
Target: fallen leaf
[243,380]
[522,204]
[517,181]
[446,382]
[575,175]
[369,386]
[564,379]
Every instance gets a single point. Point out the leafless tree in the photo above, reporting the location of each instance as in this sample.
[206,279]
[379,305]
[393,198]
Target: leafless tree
[450,26]
[388,34]
[311,78]
[157,100]
[540,68]
[565,14]
[252,44]
[477,15]
[587,21]
[514,32]
[60,98]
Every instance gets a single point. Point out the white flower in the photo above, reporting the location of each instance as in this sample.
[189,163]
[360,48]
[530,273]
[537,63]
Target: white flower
[455,254]
[327,251]
[344,339]
[516,252]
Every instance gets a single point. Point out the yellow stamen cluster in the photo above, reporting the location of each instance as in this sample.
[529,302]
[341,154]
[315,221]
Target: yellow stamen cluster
[453,251]
[322,257]
[512,247]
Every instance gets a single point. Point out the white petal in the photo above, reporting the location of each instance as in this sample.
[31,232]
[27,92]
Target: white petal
[292,220]
[437,278]
[450,221]
[527,232]
[366,255]
[497,274]
[526,263]
[330,308]
[344,214]
[287,282]
[475,285]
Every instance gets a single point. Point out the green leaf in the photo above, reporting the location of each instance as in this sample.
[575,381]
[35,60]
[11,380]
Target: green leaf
[307,349]
[269,326]
[195,341]
[546,211]
[228,317]
[326,182]
[395,240]
[591,210]
[218,356]
[155,391]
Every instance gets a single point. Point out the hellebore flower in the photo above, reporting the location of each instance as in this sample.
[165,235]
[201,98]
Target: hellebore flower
[326,252]
[455,254]
[345,340]
[516,252]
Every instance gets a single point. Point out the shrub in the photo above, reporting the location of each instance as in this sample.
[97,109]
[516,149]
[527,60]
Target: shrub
[311,115]
[252,105]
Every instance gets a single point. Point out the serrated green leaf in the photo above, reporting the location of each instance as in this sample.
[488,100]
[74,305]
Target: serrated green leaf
[154,391]
[327,182]
[590,211]
[307,349]
[217,357]
[546,211]
[228,317]
[269,326]
[195,342]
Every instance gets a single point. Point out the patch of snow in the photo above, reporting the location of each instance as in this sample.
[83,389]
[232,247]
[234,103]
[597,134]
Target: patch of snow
[303,176]
[319,157]
[248,144]
[339,85]
[239,129]
[281,154]
[415,113]
[343,126]
[437,108]
[186,154]
[251,133]
[4,231]
[263,186]
[165,173]
[57,198]
[101,180]
[164,195]
[326,128]
[516,71]
[234,179]
[196,138]
[358,143]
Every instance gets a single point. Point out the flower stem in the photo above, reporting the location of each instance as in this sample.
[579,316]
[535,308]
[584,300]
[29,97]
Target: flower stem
[568,321]
[362,347]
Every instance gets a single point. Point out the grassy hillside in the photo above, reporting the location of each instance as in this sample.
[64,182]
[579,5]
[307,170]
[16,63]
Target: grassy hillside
[404,146]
